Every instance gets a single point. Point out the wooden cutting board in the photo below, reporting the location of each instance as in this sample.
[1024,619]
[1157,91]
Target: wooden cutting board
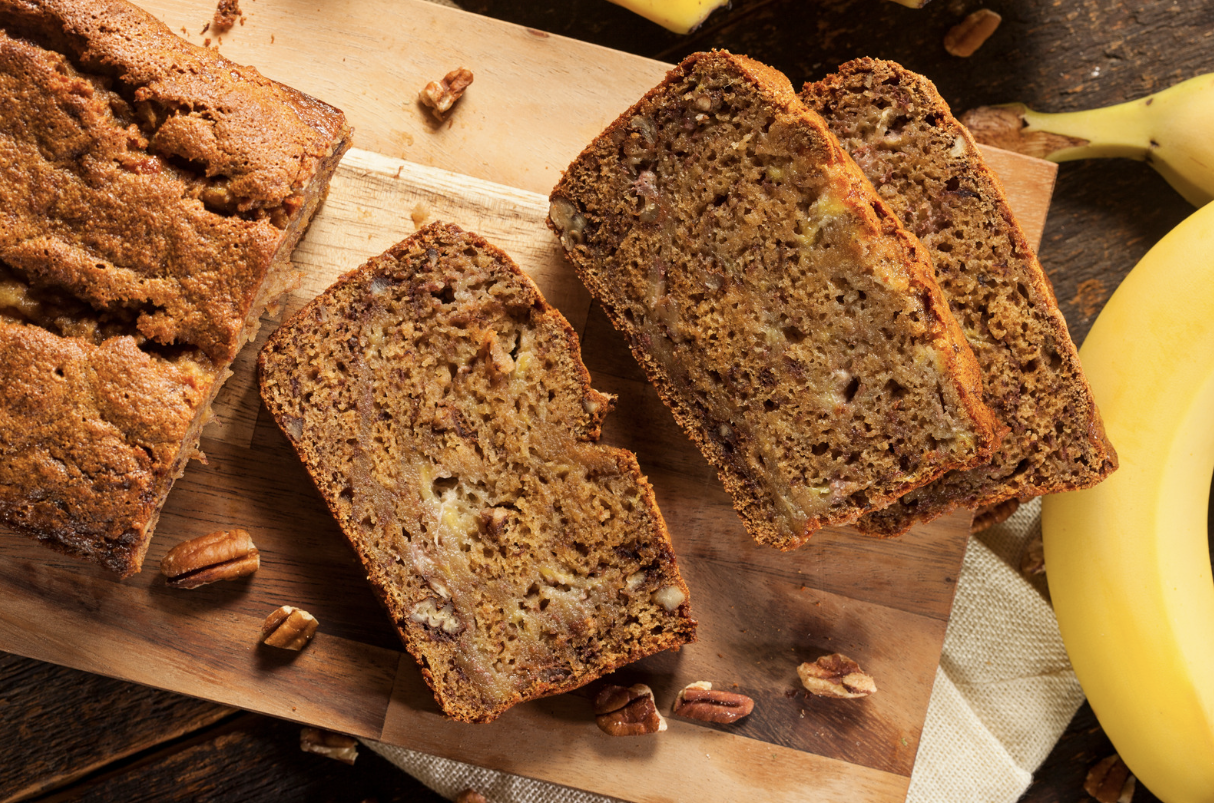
[537,101]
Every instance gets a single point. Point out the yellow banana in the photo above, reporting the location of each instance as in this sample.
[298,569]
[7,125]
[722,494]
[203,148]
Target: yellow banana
[1128,561]
[1170,130]
[680,16]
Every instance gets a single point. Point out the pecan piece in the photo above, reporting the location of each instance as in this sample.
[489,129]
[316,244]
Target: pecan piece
[470,796]
[699,701]
[440,96]
[222,555]
[627,712]
[836,676]
[289,628]
[1032,562]
[990,515]
[964,38]
[1110,781]
[329,744]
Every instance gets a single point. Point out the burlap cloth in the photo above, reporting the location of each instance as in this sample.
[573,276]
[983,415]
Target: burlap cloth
[1003,695]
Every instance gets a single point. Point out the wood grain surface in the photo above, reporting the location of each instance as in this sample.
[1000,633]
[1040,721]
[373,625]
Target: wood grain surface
[761,612]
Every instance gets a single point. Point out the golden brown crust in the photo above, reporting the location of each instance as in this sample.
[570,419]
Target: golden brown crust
[153,192]
[517,558]
[612,244]
[926,164]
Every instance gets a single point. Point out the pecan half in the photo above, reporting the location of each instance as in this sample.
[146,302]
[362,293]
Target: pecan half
[289,628]
[222,555]
[470,796]
[627,712]
[836,676]
[699,701]
[329,744]
[440,96]
[990,515]
[964,38]
[1110,781]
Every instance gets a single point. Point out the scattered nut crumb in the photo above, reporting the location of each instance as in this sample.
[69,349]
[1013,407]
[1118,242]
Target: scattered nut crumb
[1110,781]
[289,628]
[470,796]
[836,676]
[419,215]
[968,35]
[221,555]
[1032,562]
[226,14]
[329,744]
[441,96]
[205,28]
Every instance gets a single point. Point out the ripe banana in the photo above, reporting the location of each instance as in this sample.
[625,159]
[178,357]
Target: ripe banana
[680,16]
[1170,130]
[1128,561]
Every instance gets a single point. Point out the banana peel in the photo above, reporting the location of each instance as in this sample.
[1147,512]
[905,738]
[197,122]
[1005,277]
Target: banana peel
[1170,130]
[1128,561]
[680,16]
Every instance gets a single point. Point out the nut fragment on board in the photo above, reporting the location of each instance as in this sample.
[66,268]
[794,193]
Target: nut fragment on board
[620,711]
[836,676]
[221,555]
[289,628]
[968,35]
[700,701]
[440,96]
[470,796]
[1110,781]
[990,515]
[329,744]
[226,14]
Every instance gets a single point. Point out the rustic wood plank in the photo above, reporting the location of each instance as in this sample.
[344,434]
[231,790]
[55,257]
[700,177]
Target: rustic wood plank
[562,742]
[59,724]
[251,758]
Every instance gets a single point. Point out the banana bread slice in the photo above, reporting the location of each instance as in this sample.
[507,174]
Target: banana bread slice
[443,410]
[152,192]
[781,311]
[926,166]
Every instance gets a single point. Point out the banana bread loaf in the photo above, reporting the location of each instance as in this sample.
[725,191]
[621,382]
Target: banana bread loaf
[927,167]
[781,311]
[152,192]
[443,410]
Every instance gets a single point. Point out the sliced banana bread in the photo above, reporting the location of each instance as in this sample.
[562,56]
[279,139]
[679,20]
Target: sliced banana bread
[781,311]
[151,194]
[443,410]
[927,167]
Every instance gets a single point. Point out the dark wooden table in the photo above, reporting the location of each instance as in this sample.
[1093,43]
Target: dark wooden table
[66,735]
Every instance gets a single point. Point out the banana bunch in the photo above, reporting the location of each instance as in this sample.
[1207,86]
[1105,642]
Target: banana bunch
[1128,561]
[1169,130]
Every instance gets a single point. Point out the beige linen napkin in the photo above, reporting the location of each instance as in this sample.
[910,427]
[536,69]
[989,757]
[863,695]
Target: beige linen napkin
[1003,695]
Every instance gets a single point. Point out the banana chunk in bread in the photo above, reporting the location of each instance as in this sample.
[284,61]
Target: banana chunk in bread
[927,167]
[775,302]
[151,194]
[443,410]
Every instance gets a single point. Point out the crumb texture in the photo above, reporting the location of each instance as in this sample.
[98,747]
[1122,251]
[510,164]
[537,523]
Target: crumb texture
[151,194]
[927,167]
[442,408]
[774,301]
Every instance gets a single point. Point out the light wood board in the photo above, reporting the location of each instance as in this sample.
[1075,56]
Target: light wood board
[885,603]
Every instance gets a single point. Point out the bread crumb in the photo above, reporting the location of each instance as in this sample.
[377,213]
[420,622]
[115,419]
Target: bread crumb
[420,213]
